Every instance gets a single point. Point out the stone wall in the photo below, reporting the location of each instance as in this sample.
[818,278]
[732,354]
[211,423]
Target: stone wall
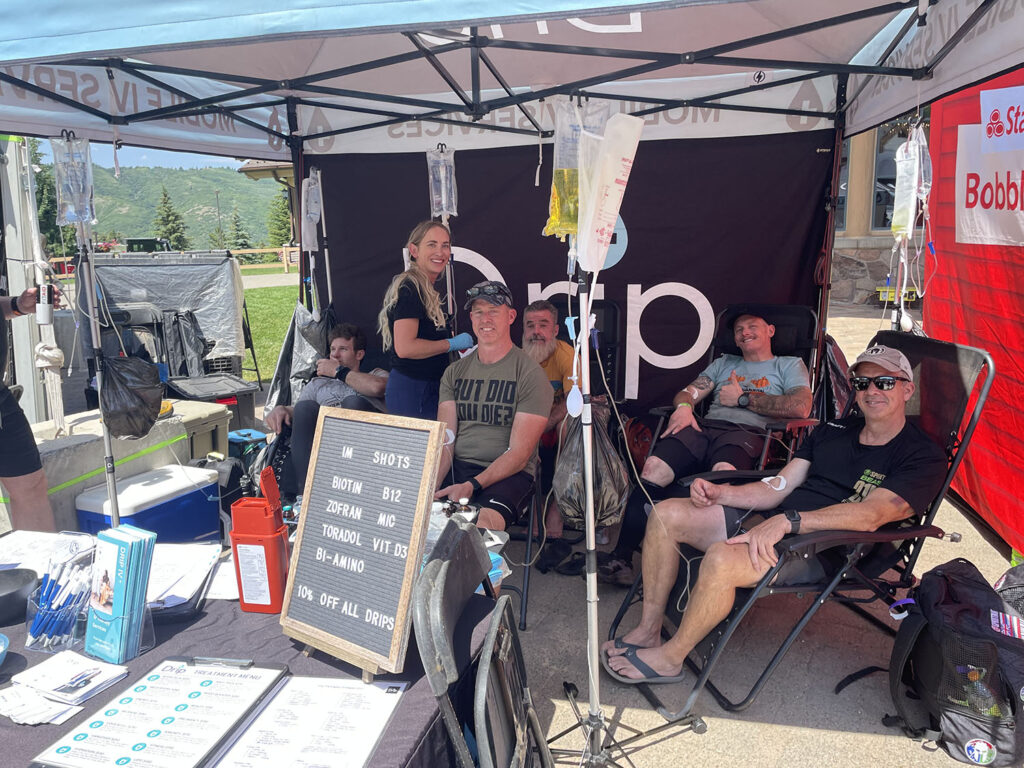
[859,266]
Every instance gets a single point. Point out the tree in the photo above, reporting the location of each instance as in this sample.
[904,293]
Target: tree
[169,223]
[279,221]
[238,238]
[218,240]
[59,240]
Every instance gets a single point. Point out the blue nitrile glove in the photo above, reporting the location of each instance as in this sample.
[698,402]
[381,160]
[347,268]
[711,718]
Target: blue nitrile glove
[460,342]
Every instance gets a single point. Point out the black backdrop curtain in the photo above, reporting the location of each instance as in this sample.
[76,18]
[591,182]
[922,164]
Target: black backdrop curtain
[706,223]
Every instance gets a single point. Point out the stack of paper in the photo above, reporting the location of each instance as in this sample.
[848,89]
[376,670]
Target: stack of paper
[26,706]
[118,600]
[179,572]
[69,677]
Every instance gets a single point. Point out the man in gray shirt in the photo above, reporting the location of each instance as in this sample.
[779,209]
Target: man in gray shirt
[495,402]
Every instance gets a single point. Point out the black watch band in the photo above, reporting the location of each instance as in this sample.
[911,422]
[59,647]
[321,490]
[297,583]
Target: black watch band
[794,520]
[476,485]
[342,373]
[743,400]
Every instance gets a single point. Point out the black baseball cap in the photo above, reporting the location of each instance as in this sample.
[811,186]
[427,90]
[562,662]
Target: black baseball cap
[491,291]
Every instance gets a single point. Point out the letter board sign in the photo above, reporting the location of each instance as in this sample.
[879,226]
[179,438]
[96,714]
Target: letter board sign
[358,549]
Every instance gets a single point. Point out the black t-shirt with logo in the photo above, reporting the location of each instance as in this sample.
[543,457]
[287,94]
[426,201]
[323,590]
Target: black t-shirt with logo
[910,465]
[409,307]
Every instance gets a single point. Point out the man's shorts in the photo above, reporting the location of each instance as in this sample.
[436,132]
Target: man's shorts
[707,446]
[505,496]
[799,570]
[18,452]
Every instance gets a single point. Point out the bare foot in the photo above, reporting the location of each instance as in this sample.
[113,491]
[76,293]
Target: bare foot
[636,637]
[652,657]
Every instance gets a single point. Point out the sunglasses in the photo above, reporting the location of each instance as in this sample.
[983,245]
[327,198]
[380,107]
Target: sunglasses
[883,383]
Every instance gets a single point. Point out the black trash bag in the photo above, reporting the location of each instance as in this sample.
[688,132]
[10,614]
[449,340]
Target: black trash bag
[130,397]
[305,342]
[611,481]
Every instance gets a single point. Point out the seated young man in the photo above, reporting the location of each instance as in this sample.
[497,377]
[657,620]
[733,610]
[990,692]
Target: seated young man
[338,384]
[852,474]
[747,391]
[496,402]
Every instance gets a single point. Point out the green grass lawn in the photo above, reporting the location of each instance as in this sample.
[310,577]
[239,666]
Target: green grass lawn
[266,269]
[270,311]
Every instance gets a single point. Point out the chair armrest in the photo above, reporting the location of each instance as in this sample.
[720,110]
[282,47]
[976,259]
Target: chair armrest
[731,476]
[819,540]
[785,425]
[662,410]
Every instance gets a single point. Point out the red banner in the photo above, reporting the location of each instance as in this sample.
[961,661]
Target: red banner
[977,294]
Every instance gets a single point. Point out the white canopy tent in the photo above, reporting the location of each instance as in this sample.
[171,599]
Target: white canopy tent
[241,78]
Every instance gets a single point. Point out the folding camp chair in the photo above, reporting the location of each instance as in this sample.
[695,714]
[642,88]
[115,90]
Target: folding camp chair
[458,565]
[508,730]
[795,329]
[530,507]
[950,394]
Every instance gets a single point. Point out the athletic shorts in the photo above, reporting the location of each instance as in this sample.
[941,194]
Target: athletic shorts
[709,446]
[506,497]
[18,452]
[799,570]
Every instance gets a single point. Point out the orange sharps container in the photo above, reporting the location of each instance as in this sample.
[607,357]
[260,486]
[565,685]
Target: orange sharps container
[259,542]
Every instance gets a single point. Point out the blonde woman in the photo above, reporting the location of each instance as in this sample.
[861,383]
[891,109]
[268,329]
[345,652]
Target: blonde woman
[415,328]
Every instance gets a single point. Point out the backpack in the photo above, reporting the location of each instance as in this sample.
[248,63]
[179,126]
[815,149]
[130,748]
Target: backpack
[960,651]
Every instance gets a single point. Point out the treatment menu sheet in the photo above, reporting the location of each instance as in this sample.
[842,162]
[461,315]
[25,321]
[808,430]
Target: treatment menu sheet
[173,717]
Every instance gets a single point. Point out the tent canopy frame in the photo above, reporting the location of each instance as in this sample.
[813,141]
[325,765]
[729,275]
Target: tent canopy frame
[470,102]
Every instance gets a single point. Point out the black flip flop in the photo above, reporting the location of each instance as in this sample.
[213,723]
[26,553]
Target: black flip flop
[554,552]
[573,566]
[649,675]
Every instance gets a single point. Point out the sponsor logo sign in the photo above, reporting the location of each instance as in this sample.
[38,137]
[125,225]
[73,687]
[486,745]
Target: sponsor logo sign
[1002,113]
[989,191]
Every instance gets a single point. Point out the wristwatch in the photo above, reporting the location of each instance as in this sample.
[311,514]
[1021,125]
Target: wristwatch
[794,520]
[743,400]
[476,485]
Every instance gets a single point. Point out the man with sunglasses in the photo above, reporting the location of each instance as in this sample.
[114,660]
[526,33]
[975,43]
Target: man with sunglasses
[857,473]
[496,402]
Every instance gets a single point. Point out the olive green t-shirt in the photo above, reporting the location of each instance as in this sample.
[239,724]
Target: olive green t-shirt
[487,398]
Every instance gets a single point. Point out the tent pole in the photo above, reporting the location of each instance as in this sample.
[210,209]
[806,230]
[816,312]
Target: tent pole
[825,262]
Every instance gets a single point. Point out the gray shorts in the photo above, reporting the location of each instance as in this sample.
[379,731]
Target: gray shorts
[800,570]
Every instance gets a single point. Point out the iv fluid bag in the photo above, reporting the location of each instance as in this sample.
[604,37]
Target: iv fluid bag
[924,183]
[563,207]
[444,195]
[904,207]
[605,187]
[72,174]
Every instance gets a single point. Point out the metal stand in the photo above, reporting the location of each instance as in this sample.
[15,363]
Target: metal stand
[87,288]
[595,729]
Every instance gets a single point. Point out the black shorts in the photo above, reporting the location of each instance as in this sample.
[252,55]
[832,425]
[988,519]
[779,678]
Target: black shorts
[507,496]
[799,570]
[18,452]
[717,441]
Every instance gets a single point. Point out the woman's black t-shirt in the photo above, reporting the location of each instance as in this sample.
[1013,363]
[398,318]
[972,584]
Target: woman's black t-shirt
[409,307]
[910,465]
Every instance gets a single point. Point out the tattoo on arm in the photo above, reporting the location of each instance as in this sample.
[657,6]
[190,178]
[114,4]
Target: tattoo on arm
[703,383]
[794,404]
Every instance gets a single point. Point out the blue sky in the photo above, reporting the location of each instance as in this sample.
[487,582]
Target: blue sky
[103,156]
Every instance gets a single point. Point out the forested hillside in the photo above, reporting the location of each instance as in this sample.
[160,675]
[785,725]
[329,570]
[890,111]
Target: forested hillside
[128,205]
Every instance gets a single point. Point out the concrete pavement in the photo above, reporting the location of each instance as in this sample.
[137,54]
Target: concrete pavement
[797,720]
